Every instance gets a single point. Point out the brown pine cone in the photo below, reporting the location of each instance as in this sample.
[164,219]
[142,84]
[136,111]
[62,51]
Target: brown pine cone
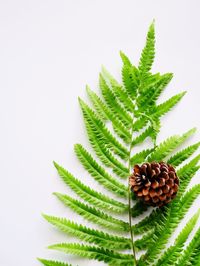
[154,183]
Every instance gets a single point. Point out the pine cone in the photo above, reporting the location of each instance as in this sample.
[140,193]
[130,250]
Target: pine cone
[154,183]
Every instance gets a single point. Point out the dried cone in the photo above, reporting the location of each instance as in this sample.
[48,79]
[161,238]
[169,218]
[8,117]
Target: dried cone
[154,183]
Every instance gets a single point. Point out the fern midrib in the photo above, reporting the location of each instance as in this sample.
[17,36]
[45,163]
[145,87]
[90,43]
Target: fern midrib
[129,196]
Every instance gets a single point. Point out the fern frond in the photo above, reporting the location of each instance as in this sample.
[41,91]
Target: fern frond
[152,129]
[185,169]
[150,222]
[114,105]
[92,252]
[186,173]
[182,237]
[166,147]
[119,91]
[156,112]
[183,155]
[188,257]
[138,208]
[98,172]
[165,107]
[89,235]
[148,133]
[148,52]
[140,156]
[143,242]
[125,59]
[170,255]
[187,200]
[93,214]
[150,94]
[106,156]
[93,197]
[153,112]
[100,107]
[148,82]
[105,113]
[162,233]
[98,127]
[130,78]
[140,123]
[186,177]
[53,263]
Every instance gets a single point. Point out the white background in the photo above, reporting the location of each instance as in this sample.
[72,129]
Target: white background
[49,51]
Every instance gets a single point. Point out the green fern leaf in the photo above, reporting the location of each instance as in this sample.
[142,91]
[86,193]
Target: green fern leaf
[149,222]
[125,59]
[101,109]
[119,91]
[165,107]
[138,208]
[163,232]
[148,133]
[187,200]
[183,155]
[140,156]
[113,104]
[90,195]
[186,173]
[165,148]
[107,157]
[93,214]
[130,78]
[89,235]
[140,123]
[100,254]
[172,252]
[150,94]
[191,253]
[153,112]
[98,172]
[97,126]
[106,114]
[124,115]
[148,52]
[53,263]
[143,242]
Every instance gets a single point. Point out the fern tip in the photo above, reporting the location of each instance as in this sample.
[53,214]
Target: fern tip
[77,146]
[191,131]
[80,100]
[87,87]
[45,216]
[55,164]
[52,247]
[152,26]
[183,93]
[121,53]
[103,68]
[57,194]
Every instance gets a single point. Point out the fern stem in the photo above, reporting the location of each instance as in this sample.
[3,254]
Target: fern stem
[130,224]
[129,200]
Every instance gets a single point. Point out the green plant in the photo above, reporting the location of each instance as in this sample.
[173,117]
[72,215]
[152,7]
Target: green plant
[135,116]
